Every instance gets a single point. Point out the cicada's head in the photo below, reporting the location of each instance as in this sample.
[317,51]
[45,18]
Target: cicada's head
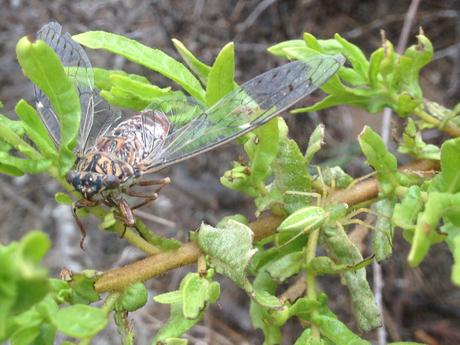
[90,184]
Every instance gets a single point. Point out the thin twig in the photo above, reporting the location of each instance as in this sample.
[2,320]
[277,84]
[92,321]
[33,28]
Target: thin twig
[251,19]
[386,123]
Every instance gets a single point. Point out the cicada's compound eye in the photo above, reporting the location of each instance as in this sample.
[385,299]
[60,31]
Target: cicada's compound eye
[111,182]
[71,176]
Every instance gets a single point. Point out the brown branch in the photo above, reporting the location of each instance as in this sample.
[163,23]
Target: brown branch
[152,266]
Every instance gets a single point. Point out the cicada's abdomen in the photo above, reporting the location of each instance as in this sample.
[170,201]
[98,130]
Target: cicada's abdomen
[134,139]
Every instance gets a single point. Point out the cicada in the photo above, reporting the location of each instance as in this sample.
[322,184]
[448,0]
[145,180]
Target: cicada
[116,153]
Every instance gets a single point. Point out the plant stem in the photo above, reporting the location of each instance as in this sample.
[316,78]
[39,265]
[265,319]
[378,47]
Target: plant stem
[311,276]
[448,127]
[119,278]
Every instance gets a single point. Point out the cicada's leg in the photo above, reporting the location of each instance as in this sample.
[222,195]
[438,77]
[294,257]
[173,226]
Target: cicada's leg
[148,197]
[125,214]
[75,206]
[155,182]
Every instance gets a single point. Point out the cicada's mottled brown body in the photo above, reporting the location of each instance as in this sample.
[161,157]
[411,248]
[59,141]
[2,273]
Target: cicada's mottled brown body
[116,153]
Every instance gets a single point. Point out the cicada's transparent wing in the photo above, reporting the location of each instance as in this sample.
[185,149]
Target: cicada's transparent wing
[79,70]
[249,106]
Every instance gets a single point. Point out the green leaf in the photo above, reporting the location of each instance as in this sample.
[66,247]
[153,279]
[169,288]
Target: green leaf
[261,147]
[304,219]
[379,158]
[160,241]
[342,250]
[450,165]
[118,98]
[414,145]
[303,308]
[26,165]
[35,129]
[195,295]
[11,132]
[175,341]
[417,56]
[83,291]
[261,316]
[425,234]
[199,68]
[134,297]
[383,234]
[153,59]
[279,49]
[221,75]
[314,143]
[286,266]
[63,198]
[42,66]
[137,88]
[453,241]
[176,325]
[355,56]
[405,213]
[80,321]
[229,249]
[169,297]
[10,170]
[336,331]
[374,66]
[289,170]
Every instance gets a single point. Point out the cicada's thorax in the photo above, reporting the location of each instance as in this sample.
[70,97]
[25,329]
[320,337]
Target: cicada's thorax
[116,159]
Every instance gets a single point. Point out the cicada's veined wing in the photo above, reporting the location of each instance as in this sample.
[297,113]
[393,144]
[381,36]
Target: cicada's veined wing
[247,107]
[78,69]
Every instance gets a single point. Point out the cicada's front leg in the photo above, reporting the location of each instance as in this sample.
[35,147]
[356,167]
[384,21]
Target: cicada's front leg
[77,205]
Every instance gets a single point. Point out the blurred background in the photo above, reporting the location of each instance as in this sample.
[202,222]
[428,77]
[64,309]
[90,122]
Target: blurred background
[419,304]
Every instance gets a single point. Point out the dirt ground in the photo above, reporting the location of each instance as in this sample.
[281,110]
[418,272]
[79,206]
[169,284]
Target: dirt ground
[420,304]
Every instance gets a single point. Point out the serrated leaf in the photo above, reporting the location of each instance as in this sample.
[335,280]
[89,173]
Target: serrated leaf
[229,249]
[153,59]
[43,67]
